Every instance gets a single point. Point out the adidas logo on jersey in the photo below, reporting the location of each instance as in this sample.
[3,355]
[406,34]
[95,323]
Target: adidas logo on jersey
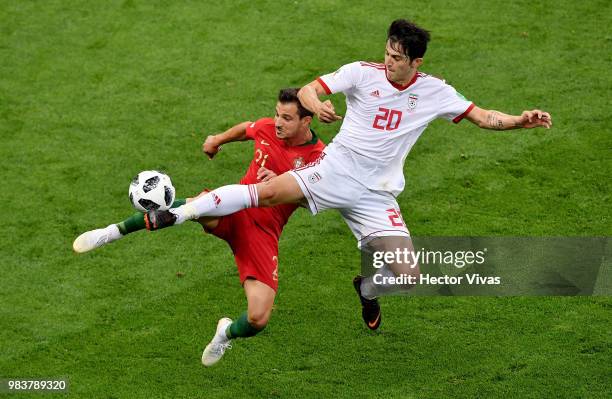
[375,93]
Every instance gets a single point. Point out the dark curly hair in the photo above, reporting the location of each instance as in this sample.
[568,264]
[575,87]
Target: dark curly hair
[412,39]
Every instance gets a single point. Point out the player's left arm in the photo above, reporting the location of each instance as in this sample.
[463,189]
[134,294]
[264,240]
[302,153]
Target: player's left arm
[495,120]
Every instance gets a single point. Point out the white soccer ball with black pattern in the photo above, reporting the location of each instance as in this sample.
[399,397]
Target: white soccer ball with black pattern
[151,190]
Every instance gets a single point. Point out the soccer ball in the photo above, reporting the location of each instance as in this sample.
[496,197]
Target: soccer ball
[151,190]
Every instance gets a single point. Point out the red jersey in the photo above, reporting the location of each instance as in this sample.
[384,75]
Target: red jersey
[272,153]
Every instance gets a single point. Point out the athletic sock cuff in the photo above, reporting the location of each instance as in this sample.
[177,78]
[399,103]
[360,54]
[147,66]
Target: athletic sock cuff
[178,202]
[241,328]
[253,197]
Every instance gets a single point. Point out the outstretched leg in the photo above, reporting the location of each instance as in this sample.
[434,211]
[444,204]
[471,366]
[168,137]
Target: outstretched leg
[138,221]
[96,238]
[226,200]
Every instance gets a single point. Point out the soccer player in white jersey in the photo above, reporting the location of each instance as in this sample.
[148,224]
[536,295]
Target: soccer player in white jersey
[360,173]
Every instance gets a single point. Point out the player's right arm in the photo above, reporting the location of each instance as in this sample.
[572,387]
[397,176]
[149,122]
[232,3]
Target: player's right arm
[213,143]
[309,97]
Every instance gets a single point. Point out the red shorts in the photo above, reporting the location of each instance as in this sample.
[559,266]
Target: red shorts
[255,251]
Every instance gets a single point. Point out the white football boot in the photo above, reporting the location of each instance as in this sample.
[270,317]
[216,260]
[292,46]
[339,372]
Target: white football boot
[96,238]
[220,343]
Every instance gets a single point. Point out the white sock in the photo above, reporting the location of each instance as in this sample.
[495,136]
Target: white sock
[371,290]
[220,202]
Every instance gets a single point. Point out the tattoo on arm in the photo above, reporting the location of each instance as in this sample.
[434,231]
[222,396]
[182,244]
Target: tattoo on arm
[494,120]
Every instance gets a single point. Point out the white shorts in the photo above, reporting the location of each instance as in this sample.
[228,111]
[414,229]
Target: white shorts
[326,185]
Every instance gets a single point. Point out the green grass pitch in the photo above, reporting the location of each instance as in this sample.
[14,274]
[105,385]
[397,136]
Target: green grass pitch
[93,92]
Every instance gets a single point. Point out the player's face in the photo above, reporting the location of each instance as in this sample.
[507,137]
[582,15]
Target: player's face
[399,66]
[287,121]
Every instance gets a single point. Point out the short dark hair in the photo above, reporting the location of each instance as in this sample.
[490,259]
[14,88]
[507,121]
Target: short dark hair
[289,95]
[412,38]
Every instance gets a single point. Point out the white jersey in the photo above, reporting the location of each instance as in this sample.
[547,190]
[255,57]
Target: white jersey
[383,120]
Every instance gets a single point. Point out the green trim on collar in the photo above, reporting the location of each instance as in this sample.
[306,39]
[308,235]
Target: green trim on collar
[313,140]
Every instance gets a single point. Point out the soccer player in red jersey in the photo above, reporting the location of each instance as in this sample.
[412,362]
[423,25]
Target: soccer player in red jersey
[281,143]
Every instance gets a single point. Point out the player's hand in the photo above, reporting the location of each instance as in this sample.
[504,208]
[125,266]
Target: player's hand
[210,146]
[535,118]
[264,174]
[326,112]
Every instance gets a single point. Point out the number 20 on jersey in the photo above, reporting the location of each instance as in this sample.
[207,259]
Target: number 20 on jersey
[387,119]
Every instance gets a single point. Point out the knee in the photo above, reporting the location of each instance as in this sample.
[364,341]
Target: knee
[267,194]
[258,318]
[411,268]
